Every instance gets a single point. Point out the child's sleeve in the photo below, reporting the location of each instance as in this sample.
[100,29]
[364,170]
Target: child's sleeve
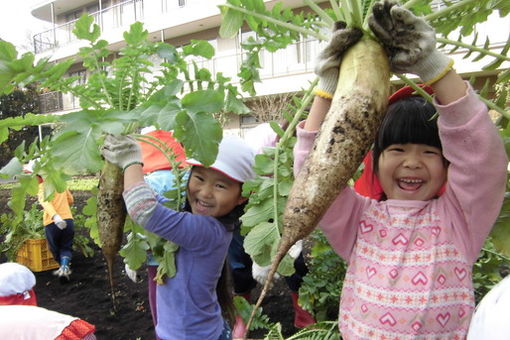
[477,171]
[188,230]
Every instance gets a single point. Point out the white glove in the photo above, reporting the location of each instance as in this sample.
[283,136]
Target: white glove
[409,41]
[132,274]
[122,151]
[329,59]
[59,222]
[296,249]
[260,273]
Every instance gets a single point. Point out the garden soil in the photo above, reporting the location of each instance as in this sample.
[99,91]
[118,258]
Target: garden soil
[88,296]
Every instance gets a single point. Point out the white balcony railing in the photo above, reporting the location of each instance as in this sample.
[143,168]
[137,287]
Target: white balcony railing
[120,15]
[296,59]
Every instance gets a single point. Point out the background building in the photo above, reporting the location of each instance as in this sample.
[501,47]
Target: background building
[178,21]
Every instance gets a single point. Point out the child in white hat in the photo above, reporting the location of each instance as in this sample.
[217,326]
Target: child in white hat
[16,285]
[188,304]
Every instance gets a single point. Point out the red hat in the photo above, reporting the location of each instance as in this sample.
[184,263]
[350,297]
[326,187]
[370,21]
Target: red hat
[408,91]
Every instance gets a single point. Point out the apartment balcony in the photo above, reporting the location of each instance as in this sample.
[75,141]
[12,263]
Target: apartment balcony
[111,18]
[284,71]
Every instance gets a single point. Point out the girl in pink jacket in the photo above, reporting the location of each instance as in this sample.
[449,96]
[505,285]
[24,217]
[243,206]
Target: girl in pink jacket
[410,253]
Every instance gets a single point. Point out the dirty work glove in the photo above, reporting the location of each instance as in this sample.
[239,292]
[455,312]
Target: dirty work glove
[409,41]
[122,151]
[260,273]
[59,222]
[132,274]
[296,249]
[329,59]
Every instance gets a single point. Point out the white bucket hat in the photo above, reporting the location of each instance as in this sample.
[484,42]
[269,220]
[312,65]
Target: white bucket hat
[235,159]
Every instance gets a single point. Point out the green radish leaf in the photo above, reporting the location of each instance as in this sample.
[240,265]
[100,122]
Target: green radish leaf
[166,266]
[200,134]
[18,198]
[199,48]
[14,167]
[168,52]
[210,101]
[78,151]
[259,243]
[136,34]
[255,214]
[264,165]
[134,251]
[234,104]
[231,22]
[85,28]
[165,119]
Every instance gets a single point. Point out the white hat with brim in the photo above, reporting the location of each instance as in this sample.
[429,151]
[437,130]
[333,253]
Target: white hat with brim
[235,159]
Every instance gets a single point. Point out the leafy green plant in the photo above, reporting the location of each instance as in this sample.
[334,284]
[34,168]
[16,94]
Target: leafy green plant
[262,221]
[321,287]
[81,241]
[14,237]
[120,95]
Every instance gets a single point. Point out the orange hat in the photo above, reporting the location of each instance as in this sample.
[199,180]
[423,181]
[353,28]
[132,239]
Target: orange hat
[153,159]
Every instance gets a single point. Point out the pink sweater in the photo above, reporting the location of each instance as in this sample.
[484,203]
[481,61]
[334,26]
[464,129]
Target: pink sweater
[409,262]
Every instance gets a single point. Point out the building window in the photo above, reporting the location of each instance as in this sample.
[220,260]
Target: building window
[181,3]
[248,120]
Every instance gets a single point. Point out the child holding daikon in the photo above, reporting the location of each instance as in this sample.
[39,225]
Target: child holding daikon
[410,254]
[187,304]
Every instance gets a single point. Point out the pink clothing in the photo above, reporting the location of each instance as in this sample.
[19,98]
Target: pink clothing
[410,262]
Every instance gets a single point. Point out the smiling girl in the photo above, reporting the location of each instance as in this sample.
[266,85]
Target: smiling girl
[188,306]
[410,253]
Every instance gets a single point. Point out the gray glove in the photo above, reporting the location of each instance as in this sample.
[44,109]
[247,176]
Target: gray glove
[409,41]
[59,222]
[132,274]
[329,59]
[122,151]
[260,273]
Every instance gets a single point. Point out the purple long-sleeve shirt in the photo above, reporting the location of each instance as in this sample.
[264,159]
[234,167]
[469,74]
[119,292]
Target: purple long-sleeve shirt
[187,304]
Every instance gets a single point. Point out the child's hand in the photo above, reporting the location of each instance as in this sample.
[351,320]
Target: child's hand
[132,274]
[122,151]
[59,222]
[409,41]
[328,62]
[260,273]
